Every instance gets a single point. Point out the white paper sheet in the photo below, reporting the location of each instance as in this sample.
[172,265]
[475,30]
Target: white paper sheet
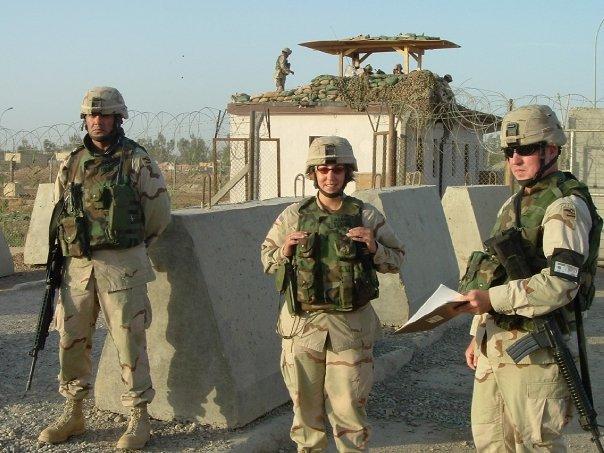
[439,307]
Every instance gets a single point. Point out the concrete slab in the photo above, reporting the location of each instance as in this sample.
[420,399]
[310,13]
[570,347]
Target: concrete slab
[471,212]
[417,217]
[213,349]
[13,190]
[7,266]
[36,242]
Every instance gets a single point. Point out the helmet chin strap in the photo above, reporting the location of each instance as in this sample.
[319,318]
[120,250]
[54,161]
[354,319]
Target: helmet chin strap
[327,194]
[331,195]
[543,167]
[113,136]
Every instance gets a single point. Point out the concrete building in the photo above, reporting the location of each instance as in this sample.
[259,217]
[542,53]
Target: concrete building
[585,130]
[438,141]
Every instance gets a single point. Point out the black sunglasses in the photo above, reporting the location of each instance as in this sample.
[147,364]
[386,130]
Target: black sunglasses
[524,151]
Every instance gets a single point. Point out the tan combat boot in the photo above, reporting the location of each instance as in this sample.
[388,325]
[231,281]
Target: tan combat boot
[69,423]
[139,429]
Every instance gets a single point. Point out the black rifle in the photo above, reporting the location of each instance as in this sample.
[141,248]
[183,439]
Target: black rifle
[547,334]
[54,269]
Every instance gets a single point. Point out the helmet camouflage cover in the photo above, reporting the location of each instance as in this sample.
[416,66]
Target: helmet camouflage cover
[104,101]
[529,125]
[330,150]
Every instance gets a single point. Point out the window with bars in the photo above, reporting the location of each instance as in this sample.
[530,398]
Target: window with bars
[453,158]
[466,158]
[434,153]
[419,161]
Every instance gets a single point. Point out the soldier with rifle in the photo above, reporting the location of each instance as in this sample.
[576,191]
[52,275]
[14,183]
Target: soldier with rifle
[112,205]
[527,291]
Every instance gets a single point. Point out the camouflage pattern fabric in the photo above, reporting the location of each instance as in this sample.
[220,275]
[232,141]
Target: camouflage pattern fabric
[325,336]
[97,174]
[327,384]
[112,280]
[519,408]
[128,314]
[524,407]
[282,69]
[341,282]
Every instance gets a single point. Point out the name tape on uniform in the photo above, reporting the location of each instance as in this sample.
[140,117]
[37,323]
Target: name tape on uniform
[566,269]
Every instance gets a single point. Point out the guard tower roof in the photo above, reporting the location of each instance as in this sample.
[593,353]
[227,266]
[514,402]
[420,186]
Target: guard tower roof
[406,44]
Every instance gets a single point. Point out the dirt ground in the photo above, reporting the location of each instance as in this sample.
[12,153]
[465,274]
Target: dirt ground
[423,406]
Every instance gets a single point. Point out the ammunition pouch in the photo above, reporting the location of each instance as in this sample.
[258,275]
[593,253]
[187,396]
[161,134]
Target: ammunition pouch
[483,271]
[72,237]
[331,272]
[126,228]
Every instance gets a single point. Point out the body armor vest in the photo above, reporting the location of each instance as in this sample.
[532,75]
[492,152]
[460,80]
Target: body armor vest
[102,209]
[532,210]
[333,272]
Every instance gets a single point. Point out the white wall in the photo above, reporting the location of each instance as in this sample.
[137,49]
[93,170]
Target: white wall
[294,131]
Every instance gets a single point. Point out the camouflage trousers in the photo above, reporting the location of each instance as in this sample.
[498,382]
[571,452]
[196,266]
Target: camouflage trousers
[519,408]
[128,314]
[279,82]
[325,384]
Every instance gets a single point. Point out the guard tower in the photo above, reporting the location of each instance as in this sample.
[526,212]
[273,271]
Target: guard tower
[360,47]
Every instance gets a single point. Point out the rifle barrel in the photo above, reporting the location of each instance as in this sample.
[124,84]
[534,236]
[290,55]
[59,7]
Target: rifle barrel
[31,370]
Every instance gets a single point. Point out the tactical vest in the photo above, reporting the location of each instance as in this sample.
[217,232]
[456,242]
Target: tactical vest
[333,272]
[532,210]
[102,209]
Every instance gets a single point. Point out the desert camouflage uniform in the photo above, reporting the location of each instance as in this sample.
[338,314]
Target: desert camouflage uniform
[524,407]
[327,357]
[114,281]
[282,70]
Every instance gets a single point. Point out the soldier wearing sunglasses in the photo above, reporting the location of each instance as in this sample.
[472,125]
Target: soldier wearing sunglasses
[325,251]
[525,406]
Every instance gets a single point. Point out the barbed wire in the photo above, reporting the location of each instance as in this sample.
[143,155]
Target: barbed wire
[467,105]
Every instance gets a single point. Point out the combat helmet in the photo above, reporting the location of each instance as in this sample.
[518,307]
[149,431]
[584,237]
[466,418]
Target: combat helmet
[530,125]
[330,150]
[286,50]
[104,101]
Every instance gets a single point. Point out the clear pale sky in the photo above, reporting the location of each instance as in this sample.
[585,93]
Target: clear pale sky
[181,56]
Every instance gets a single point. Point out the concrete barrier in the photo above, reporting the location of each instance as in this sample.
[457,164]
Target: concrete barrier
[471,212]
[7,266]
[213,350]
[417,217]
[36,242]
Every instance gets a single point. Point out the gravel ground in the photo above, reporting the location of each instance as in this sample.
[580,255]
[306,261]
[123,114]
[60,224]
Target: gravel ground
[422,406]
[418,392]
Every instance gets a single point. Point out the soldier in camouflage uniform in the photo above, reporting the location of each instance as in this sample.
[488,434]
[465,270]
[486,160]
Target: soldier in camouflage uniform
[325,251]
[116,204]
[524,407]
[282,69]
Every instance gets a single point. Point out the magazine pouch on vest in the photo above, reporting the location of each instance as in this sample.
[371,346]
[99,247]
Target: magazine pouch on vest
[72,227]
[332,272]
[125,216]
[483,271]
[102,208]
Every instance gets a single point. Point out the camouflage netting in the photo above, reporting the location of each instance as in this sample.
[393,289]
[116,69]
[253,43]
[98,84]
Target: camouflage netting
[420,91]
